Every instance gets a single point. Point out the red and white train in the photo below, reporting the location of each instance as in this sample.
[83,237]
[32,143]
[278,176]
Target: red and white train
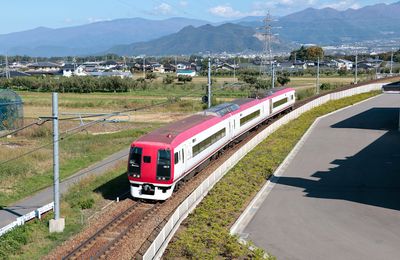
[158,161]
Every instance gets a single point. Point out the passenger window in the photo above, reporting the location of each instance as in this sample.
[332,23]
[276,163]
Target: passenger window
[176,158]
[183,156]
[147,159]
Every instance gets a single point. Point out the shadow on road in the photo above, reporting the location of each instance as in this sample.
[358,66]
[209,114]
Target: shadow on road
[370,177]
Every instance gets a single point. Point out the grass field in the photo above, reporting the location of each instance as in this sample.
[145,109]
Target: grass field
[30,173]
[39,104]
[33,241]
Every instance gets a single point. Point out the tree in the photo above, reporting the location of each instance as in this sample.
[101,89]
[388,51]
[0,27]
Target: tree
[342,71]
[310,53]
[169,79]
[184,78]
[150,76]
[248,79]
[283,80]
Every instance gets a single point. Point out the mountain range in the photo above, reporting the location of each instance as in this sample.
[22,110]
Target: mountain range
[136,36]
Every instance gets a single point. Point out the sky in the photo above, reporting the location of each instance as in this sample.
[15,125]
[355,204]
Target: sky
[19,15]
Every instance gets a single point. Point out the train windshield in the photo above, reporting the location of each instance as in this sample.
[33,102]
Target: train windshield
[135,160]
[164,165]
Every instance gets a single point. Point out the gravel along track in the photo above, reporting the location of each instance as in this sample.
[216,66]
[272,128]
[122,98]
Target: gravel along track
[100,243]
[129,232]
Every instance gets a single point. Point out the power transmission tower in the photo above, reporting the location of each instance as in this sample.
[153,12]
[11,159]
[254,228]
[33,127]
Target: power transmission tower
[267,58]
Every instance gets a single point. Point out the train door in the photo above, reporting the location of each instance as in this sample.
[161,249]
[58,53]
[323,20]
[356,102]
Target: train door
[231,128]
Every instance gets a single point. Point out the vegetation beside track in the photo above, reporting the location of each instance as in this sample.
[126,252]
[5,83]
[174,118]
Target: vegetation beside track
[205,233]
[33,172]
[33,240]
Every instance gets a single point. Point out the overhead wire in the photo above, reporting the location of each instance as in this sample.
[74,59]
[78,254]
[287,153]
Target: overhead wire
[83,127]
[37,123]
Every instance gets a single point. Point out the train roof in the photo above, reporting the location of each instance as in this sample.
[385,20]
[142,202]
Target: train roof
[169,133]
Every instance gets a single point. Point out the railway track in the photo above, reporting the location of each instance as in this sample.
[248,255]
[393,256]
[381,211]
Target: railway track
[105,239]
[131,232]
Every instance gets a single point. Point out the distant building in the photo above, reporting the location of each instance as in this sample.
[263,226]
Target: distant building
[120,74]
[343,64]
[14,74]
[44,68]
[69,70]
[191,73]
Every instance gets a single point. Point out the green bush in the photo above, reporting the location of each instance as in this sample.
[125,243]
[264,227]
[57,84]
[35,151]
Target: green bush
[86,203]
[11,243]
[305,93]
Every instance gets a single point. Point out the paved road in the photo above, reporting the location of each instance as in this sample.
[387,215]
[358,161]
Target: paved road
[339,198]
[45,196]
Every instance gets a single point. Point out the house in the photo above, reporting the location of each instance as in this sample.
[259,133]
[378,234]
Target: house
[184,66]
[186,72]
[156,67]
[44,68]
[120,74]
[71,69]
[343,64]
[14,73]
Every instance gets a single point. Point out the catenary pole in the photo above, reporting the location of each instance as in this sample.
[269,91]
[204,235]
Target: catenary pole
[391,64]
[209,83]
[56,166]
[317,83]
[356,73]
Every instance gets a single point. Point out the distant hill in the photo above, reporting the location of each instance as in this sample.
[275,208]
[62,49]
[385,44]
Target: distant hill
[185,36]
[232,38]
[330,26]
[89,38]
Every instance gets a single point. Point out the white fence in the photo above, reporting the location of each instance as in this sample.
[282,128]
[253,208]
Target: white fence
[159,245]
[31,215]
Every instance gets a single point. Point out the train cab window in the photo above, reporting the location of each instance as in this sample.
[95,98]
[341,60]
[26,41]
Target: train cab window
[147,159]
[176,155]
[135,161]
[164,165]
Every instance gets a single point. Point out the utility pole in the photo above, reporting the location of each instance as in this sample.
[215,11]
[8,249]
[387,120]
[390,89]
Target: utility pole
[317,83]
[391,64]
[273,75]
[57,224]
[7,68]
[209,83]
[234,69]
[144,67]
[356,73]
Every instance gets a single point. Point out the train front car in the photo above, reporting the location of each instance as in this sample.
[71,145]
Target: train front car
[150,170]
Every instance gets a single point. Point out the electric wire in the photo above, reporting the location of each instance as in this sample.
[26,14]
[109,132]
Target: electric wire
[84,127]
[39,122]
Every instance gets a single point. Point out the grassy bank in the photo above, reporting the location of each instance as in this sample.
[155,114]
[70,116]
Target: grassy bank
[205,233]
[28,174]
[33,241]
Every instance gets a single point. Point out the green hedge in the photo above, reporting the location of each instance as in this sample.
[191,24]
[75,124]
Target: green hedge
[205,233]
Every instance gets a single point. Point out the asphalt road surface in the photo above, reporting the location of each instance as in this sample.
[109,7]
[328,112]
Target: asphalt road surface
[339,198]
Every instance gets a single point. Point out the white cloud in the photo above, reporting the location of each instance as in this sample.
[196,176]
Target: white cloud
[163,9]
[342,5]
[183,3]
[225,11]
[95,20]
